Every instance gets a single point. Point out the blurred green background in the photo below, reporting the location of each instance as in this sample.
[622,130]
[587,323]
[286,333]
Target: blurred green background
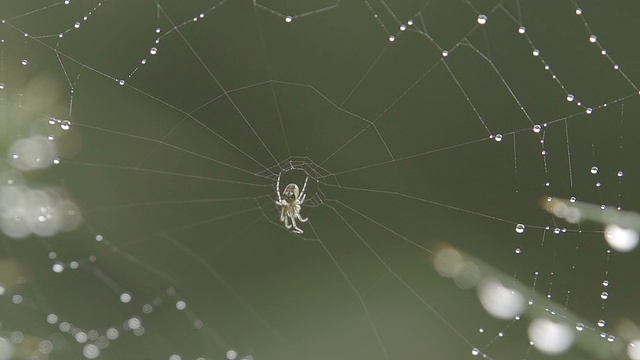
[184,114]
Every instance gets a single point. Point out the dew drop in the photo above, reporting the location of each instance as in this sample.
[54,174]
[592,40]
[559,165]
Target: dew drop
[593,39]
[520,228]
[403,27]
[601,323]
[125,297]
[158,30]
[522,30]
[392,38]
[76,25]
[482,19]
[518,251]
[498,137]
[153,51]
[410,22]
[570,97]
[537,128]
[579,326]
[24,62]
[578,11]
[121,82]
[604,295]
[445,53]
[1,86]
[65,124]
[475,352]
[288,19]
[536,52]
[572,199]
[605,283]
[589,110]
[620,174]
[594,170]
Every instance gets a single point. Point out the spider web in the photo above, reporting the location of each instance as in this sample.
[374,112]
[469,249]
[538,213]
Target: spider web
[144,140]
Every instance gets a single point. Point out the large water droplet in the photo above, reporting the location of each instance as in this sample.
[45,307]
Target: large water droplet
[65,124]
[482,19]
[594,170]
[601,323]
[520,228]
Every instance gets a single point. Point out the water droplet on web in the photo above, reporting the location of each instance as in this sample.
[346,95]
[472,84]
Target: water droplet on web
[593,39]
[475,352]
[604,295]
[125,297]
[158,30]
[522,30]
[121,82]
[445,53]
[616,67]
[572,199]
[556,231]
[231,354]
[403,27]
[482,19]
[65,124]
[392,38]
[498,137]
[518,251]
[594,170]
[578,11]
[611,338]
[288,19]
[76,25]
[537,128]
[601,323]
[603,52]
[605,283]
[153,51]
[535,52]
[520,228]
[410,22]
[481,330]
[579,326]
[620,174]
[24,62]
[570,97]
[589,110]
[1,86]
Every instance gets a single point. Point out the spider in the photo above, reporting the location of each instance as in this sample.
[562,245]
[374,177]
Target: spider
[289,203]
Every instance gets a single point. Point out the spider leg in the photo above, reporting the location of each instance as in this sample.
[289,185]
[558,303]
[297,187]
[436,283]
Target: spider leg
[296,229]
[301,219]
[305,185]
[286,222]
[278,189]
